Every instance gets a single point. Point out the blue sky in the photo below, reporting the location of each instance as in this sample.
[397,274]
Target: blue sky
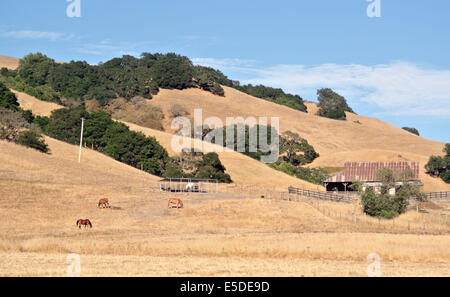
[396,67]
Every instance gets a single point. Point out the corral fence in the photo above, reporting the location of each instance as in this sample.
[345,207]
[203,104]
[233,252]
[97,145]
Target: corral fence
[322,195]
[351,197]
[438,195]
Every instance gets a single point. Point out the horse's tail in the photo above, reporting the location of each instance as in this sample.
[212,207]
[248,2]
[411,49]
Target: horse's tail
[78,223]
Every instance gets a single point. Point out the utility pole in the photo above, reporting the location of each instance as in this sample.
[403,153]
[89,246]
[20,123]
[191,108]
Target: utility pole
[81,140]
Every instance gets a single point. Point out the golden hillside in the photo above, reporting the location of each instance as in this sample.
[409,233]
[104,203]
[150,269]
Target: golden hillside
[357,139]
[243,170]
[9,62]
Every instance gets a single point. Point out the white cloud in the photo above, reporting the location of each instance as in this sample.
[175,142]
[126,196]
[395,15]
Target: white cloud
[106,47]
[399,88]
[239,65]
[30,34]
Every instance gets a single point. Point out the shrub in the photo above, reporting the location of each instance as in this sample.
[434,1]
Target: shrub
[313,175]
[28,116]
[178,110]
[384,205]
[274,95]
[412,130]
[34,140]
[136,111]
[41,122]
[14,128]
[12,124]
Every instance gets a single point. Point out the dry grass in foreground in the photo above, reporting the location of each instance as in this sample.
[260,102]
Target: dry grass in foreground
[92,265]
[42,196]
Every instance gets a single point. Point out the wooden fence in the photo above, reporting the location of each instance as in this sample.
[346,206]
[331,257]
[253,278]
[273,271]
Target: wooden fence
[350,198]
[322,195]
[438,195]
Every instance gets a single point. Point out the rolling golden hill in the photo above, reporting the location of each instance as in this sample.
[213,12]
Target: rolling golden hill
[244,171]
[215,235]
[357,139]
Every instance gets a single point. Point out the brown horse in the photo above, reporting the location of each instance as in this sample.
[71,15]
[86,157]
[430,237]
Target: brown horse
[86,223]
[175,203]
[103,203]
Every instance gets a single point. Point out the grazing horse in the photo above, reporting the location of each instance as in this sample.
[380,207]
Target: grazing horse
[86,223]
[175,203]
[103,203]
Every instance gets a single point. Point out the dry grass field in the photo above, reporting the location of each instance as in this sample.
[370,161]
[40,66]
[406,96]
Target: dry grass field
[234,233]
[42,196]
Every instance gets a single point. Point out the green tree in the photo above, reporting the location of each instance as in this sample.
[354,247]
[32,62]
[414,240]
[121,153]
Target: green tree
[332,105]
[65,124]
[34,69]
[212,168]
[436,165]
[298,151]
[172,71]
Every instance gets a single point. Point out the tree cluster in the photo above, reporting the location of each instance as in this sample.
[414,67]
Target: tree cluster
[16,123]
[127,77]
[109,137]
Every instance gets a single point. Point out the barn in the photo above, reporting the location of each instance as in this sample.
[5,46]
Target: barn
[366,172]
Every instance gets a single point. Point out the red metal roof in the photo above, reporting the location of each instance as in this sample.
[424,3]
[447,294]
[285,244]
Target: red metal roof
[367,171]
